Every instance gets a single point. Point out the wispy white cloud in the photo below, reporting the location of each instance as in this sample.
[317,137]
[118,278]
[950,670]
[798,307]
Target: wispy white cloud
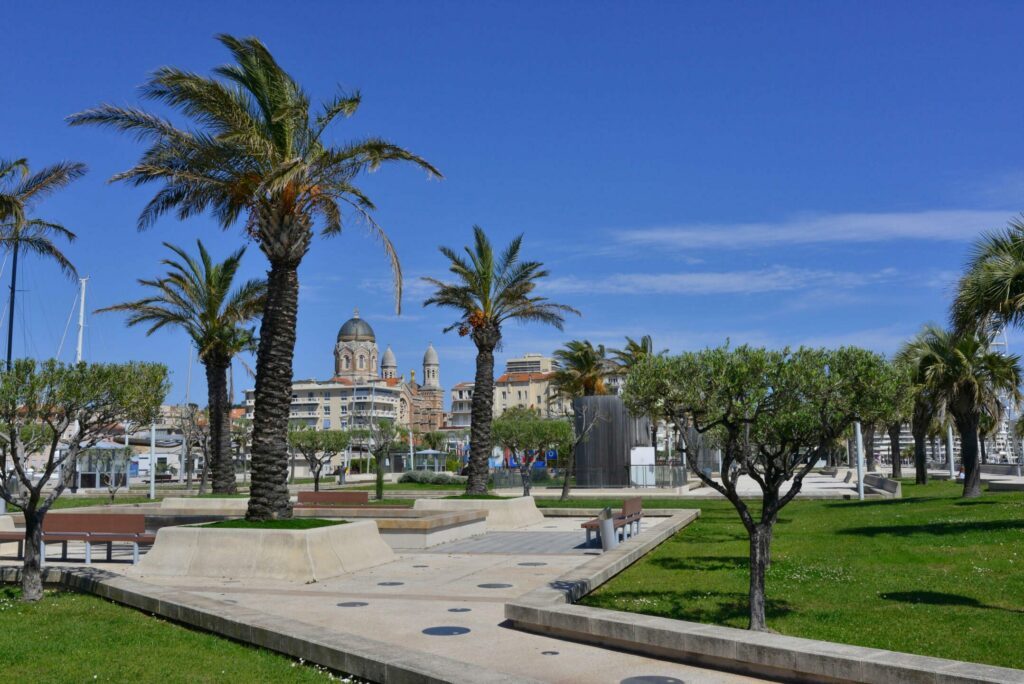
[773,279]
[955,226]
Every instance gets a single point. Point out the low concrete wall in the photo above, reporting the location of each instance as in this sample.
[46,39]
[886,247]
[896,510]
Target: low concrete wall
[203,504]
[502,514]
[999,469]
[288,555]
[997,486]
[884,486]
[6,522]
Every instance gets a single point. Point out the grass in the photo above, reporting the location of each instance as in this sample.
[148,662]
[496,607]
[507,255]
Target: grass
[288,524]
[70,637]
[930,574]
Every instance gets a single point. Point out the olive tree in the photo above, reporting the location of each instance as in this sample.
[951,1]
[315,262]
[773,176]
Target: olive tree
[54,412]
[382,436]
[318,447]
[527,435]
[773,414]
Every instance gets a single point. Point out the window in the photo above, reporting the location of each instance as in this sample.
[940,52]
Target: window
[310,395]
[362,362]
[327,408]
[348,363]
[327,423]
[504,395]
[538,400]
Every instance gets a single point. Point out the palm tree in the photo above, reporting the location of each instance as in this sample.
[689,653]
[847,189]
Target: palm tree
[968,377]
[991,291]
[257,151]
[19,190]
[487,292]
[629,356]
[635,351]
[199,296]
[582,368]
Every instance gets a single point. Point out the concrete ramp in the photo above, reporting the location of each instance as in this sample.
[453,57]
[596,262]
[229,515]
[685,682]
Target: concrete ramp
[502,514]
[287,555]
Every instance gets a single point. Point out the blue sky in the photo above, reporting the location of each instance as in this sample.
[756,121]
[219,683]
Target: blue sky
[801,173]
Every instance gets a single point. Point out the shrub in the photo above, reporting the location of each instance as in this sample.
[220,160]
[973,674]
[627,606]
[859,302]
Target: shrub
[430,477]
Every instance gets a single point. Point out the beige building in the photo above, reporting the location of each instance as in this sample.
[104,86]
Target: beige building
[527,383]
[462,405]
[361,391]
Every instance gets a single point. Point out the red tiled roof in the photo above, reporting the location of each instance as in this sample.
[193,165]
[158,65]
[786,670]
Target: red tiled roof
[524,377]
[463,385]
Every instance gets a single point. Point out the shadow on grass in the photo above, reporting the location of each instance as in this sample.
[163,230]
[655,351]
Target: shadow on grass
[938,529]
[977,502]
[938,598]
[712,607]
[703,563]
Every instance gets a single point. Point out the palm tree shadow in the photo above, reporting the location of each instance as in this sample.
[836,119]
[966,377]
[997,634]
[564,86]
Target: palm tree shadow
[939,528]
[938,598]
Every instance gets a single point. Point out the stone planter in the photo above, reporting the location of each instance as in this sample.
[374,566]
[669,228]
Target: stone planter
[283,555]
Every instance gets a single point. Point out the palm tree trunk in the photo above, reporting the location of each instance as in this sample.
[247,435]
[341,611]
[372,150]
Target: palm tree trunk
[967,426]
[221,465]
[920,459]
[894,449]
[984,451]
[268,493]
[10,304]
[480,424]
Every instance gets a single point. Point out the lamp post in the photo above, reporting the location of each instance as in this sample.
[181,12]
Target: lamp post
[152,461]
[860,461]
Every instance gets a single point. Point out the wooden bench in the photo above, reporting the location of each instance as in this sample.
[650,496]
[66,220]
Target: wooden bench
[626,523]
[89,528]
[320,499]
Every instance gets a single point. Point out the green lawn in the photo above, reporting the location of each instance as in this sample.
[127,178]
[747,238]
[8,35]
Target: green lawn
[930,573]
[287,524]
[77,638]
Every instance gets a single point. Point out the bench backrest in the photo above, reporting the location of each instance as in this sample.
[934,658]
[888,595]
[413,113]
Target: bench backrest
[632,507]
[359,497]
[94,522]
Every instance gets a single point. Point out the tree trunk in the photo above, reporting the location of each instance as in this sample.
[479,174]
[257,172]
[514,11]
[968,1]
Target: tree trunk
[894,449]
[570,463]
[868,437]
[760,541]
[984,450]
[221,465]
[379,463]
[206,471]
[316,479]
[31,571]
[967,426]
[482,416]
[920,459]
[268,492]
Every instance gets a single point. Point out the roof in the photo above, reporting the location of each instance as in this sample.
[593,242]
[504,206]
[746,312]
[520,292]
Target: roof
[389,358]
[356,329]
[464,385]
[237,413]
[430,357]
[524,377]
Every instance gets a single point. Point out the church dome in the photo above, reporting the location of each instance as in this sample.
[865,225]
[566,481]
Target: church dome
[356,329]
[430,357]
[389,359]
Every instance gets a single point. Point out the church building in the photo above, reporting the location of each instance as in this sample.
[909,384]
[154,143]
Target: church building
[366,387]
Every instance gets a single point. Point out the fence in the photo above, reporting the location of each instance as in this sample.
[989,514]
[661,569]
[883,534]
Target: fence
[644,476]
